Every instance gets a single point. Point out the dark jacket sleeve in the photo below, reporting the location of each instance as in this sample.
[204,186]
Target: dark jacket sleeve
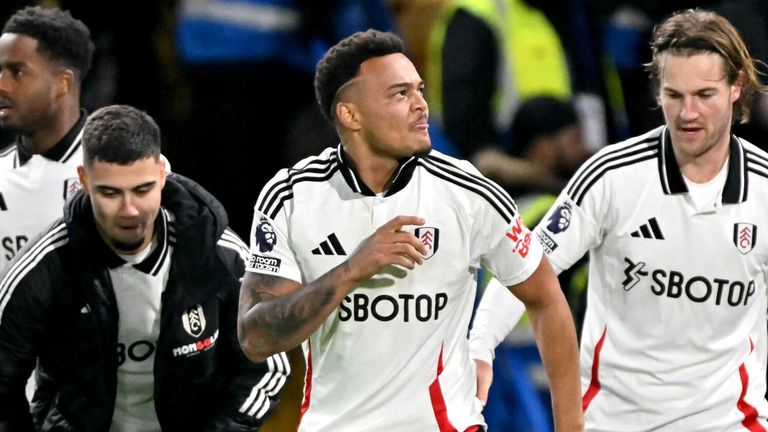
[252,388]
[26,299]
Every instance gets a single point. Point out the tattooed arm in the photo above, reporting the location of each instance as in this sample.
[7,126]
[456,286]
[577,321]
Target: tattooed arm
[277,314]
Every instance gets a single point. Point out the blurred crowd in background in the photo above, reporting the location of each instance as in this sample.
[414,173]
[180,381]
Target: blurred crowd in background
[230,82]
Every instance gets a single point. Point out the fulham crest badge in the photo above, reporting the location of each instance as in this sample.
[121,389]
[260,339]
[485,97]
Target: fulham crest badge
[194,321]
[429,237]
[744,236]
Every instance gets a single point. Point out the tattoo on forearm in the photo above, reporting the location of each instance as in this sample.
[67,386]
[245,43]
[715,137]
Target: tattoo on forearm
[288,315]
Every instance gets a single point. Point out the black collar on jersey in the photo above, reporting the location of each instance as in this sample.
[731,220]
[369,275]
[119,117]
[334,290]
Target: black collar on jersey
[63,150]
[403,176]
[672,182]
[154,261]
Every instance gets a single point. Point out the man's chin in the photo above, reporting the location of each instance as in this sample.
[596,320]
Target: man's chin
[425,151]
[127,247]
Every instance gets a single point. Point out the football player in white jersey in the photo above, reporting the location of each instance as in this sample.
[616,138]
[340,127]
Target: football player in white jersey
[44,55]
[674,335]
[369,253]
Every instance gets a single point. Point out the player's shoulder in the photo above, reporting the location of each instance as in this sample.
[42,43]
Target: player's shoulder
[647,144]
[756,159]
[613,162]
[462,182]
[437,158]
[314,169]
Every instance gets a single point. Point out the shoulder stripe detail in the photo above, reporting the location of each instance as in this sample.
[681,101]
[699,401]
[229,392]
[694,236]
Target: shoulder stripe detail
[757,163]
[73,148]
[757,159]
[490,191]
[257,404]
[54,239]
[230,240]
[8,150]
[594,169]
[276,193]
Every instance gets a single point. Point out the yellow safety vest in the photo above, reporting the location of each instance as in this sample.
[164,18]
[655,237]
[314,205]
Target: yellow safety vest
[533,60]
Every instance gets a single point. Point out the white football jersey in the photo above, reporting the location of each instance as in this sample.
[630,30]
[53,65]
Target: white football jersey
[33,192]
[394,355]
[674,337]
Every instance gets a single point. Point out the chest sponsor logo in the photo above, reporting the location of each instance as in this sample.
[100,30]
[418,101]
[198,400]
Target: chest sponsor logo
[265,235]
[71,185]
[195,348]
[269,264]
[12,245]
[385,307]
[193,321]
[520,236]
[137,352]
[560,219]
[744,237]
[430,238]
[674,284]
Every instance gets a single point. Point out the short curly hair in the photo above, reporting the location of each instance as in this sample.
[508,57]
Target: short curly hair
[342,62]
[120,134]
[60,37]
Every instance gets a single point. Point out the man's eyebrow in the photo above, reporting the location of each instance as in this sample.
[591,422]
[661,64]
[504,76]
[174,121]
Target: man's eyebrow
[405,84]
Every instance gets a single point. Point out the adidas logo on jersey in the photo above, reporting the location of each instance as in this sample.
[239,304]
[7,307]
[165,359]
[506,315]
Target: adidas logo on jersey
[649,230]
[329,246]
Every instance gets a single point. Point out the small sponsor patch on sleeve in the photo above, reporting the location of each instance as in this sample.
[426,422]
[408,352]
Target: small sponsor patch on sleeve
[262,263]
[520,237]
[546,241]
[560,219]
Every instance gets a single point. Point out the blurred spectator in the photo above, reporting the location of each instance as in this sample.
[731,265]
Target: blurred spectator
[249,66]
[546,149]
[485,57]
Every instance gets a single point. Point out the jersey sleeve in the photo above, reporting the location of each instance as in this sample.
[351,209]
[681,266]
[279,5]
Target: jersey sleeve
[270,249]
[572,227]
[498,313]
[270,252]
[500,241]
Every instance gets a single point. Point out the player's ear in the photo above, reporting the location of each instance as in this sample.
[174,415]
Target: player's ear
[737,87]
[348,116]
[65,82]
[83,175]
[163,172]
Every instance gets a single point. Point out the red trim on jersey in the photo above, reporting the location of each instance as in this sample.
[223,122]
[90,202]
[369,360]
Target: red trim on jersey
[307,385]
[438,402]
[750,413]
[594,385]
[473,429]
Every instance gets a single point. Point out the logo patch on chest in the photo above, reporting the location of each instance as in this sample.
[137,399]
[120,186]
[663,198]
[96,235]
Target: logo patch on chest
[744,236]
[193,321]
[430,238]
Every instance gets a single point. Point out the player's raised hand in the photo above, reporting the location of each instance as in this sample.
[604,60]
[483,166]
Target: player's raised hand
[388,245]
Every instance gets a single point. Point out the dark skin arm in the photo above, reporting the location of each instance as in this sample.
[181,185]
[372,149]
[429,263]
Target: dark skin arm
[275,315]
